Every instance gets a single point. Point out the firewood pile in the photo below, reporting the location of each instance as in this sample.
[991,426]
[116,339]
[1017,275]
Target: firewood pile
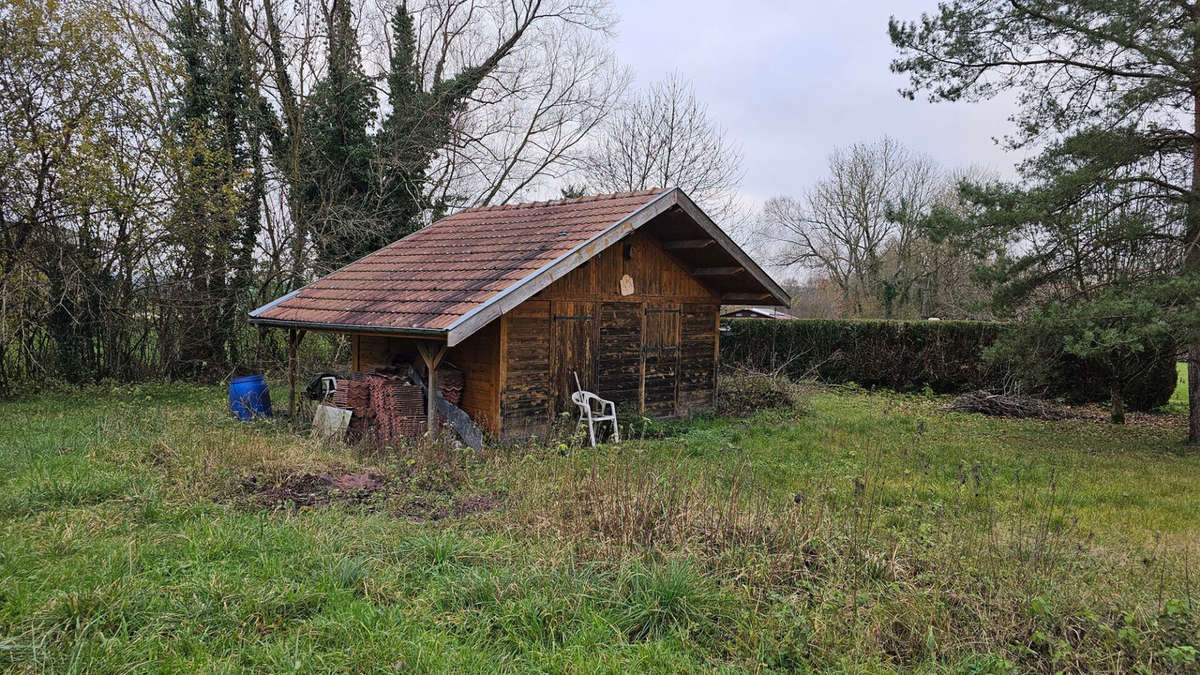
[1004,405]
[386,403]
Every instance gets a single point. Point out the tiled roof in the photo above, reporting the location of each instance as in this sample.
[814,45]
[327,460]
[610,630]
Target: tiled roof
[431,278]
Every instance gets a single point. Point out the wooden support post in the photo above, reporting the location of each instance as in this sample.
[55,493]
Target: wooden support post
[432,356]
[294,339]
[717,271]
[738,298]
[680,244]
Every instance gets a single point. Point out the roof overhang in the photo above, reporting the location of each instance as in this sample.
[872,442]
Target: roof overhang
[506,300]
[257,319]
[521,291]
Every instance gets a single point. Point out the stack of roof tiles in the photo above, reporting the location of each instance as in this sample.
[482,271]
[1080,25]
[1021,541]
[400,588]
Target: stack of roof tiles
[354,394]
[399,408]
[384,404]
[450,382]
[387,403]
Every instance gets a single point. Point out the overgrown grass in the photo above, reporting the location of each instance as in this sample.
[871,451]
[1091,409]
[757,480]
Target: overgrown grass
[875,532]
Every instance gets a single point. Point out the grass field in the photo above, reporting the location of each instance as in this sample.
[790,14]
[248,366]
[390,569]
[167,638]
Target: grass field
[873,532]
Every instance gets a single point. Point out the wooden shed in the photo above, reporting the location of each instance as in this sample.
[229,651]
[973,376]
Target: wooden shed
[623,290]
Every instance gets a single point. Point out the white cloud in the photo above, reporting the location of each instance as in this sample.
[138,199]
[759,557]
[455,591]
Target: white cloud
[791,81]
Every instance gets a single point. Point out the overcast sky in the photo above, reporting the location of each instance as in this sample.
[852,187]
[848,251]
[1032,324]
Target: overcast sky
[790,81]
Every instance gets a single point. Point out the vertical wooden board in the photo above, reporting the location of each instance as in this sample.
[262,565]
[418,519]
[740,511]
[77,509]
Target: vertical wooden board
[697,358]
[526,397]
[619,351]
[578,283]
[572,350]
[645,264]
[661,358]
[607,271]
[479,359]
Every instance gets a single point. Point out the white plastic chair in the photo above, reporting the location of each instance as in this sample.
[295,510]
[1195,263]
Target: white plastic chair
[593,409]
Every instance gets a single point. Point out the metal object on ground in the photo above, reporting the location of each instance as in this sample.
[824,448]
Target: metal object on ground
[330,423]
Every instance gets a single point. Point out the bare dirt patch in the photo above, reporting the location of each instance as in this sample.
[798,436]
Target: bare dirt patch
[309,489]
[417,501]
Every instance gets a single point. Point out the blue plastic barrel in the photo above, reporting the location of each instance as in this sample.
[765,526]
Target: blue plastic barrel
[249,397]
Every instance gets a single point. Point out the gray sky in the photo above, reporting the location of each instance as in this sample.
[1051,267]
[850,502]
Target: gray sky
[790,81]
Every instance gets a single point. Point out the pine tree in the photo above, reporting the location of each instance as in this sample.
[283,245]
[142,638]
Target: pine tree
[1110,90]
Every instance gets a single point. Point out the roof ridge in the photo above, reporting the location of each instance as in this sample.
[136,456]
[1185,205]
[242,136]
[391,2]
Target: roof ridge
[562,202]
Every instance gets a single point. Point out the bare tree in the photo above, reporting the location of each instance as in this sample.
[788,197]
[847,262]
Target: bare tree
[858,225]
[665,138]
[526,124]
[550,79]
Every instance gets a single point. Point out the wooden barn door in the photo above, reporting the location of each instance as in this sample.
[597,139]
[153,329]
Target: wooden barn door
[572,350]
[619,356]
[660,354]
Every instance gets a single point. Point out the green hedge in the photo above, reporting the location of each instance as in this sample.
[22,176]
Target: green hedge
[946,356]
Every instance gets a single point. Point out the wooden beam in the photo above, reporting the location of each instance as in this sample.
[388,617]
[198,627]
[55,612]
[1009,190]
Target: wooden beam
[432,356]
[680,244]
[463,425]
[738,298]
[295,337]
[717,271]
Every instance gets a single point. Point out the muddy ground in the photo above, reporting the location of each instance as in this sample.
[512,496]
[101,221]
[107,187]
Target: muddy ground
[374,491]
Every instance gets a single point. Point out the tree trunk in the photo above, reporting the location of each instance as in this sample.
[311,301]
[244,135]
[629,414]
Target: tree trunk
[1191,264]
[1118,406]
[1193,385]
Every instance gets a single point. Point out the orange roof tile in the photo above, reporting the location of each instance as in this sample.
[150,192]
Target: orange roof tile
[430,279]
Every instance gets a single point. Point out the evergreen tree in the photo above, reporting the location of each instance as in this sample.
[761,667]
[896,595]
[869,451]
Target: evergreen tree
[420,124]
[242,131]
[1112,204]
[213,221]
[338,151]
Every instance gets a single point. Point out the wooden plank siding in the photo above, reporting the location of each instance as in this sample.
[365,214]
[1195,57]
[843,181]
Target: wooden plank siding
[660,354]
[479,358]
[619,353]
[526,393]
[699,326]
[653,349]
[573,340]
[646,348]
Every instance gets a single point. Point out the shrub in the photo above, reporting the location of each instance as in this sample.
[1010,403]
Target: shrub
[743,392]
[900,355]
[948,357]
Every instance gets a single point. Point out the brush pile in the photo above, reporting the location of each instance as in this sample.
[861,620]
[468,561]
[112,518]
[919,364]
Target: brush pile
[1004,405]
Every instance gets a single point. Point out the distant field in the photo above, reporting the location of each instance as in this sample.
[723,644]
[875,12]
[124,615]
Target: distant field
[140,528]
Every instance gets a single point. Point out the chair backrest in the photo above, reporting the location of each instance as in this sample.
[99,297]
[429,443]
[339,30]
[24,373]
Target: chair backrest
[585,399]
[580,398]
